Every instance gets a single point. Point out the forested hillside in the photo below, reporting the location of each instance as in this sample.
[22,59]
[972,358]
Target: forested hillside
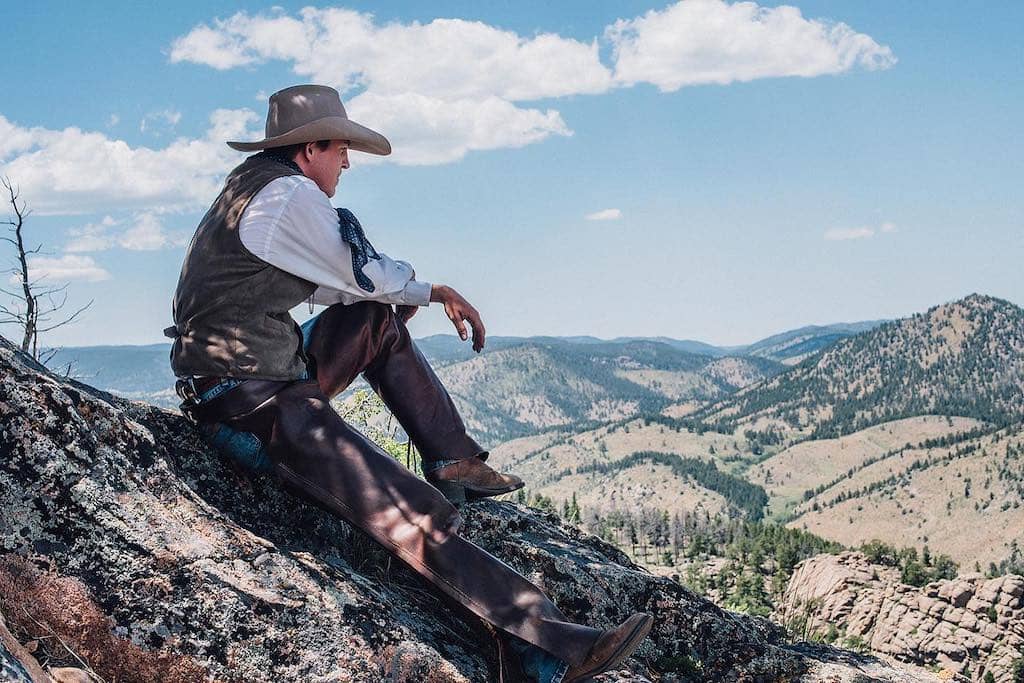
[964,358]
[535,386]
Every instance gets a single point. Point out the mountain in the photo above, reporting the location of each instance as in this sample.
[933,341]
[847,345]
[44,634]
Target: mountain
[961,494]
[539,385]
[143,372]
[129,548]
[963,358]
[793,346]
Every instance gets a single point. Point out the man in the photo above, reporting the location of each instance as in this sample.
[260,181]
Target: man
[260,387]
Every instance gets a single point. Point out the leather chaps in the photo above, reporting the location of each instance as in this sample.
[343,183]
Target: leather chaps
[317,453]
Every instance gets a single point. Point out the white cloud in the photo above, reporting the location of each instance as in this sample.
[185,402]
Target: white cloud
[144,232]
[711,41]
[15,139]
[65,269]
[436,90]
[439,90]
[162,121]
[92,236]
[604,215]
[113,120]
[445,58]
[864,232]
[449,77]
[210,46]
[428,130]
[71,171]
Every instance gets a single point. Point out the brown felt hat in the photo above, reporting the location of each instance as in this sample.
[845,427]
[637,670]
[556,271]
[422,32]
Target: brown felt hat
[307,113]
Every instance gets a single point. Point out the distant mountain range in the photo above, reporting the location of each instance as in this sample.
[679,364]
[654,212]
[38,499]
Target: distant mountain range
[911,432]
[143,372]
[964,358]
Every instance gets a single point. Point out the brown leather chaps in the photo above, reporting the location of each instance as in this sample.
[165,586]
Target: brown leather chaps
[315,452]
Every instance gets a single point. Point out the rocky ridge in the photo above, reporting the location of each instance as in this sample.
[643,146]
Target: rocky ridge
[968,626]
[124,539]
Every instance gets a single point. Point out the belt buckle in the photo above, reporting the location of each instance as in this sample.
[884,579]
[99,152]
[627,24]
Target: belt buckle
[185,387]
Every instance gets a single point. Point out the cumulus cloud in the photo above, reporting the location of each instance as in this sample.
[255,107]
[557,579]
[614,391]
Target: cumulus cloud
[428,130]
[439,90]
[143,232]
[66,268]
[864,232]
[711,41]
[160,121]
[72,171]
[604,215]
[448,78]
[445,58]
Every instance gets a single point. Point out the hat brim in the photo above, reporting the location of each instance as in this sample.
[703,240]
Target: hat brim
[360,138]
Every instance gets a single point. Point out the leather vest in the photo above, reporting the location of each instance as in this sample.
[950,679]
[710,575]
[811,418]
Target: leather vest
[231,308]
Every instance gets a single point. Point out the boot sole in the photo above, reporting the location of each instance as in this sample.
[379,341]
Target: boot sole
[457,493]
[621,654]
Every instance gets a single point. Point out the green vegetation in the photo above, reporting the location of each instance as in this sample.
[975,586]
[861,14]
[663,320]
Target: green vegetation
[740,493]
[1013,564]
[901,369]
[1017,674]
[914,570]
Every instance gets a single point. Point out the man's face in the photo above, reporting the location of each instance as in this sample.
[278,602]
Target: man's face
[324,167]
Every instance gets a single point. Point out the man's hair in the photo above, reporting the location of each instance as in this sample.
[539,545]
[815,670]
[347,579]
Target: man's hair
[289,151]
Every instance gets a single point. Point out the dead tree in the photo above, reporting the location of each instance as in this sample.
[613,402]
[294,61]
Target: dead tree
[37,306]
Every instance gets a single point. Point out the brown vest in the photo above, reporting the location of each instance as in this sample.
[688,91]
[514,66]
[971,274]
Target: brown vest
[231,308]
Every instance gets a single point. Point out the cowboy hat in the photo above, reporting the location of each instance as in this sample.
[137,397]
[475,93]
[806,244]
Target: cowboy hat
[307,113]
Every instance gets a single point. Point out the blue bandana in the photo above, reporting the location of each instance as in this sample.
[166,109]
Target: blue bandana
[362,250]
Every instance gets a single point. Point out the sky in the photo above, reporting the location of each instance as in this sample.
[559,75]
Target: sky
[699,170]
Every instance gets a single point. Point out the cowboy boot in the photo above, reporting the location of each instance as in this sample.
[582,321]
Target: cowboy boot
[613,647]
[471,478]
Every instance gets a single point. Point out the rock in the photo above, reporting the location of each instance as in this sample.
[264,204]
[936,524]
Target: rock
[67,674]
[946,623]
[17,664]
[166,563]
[956,593]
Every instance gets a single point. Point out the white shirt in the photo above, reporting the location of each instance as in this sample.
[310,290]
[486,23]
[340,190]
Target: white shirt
[291,224]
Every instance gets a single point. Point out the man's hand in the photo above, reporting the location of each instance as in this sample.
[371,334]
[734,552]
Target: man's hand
[405,313]
[460,312]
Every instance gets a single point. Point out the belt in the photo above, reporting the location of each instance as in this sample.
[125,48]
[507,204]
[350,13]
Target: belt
[239,399]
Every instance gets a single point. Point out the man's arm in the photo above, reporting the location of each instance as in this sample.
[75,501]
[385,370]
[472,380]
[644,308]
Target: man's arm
[292,225]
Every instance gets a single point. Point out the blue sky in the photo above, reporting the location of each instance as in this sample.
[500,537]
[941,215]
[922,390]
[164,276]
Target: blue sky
[881,180]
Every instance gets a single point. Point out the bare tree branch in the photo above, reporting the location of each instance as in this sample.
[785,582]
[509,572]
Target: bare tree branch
[32,291]
[69,318]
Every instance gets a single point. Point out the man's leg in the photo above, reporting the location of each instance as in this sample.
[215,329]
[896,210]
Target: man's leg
[368,337]
[314,451]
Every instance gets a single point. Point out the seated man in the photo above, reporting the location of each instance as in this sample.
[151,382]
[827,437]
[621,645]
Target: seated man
[260,386]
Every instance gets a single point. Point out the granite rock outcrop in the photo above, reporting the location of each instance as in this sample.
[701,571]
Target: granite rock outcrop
[968,626]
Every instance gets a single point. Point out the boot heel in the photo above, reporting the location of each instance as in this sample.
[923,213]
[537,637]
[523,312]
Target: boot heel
[453,491]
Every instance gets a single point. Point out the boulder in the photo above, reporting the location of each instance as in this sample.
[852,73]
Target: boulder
[945,624]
